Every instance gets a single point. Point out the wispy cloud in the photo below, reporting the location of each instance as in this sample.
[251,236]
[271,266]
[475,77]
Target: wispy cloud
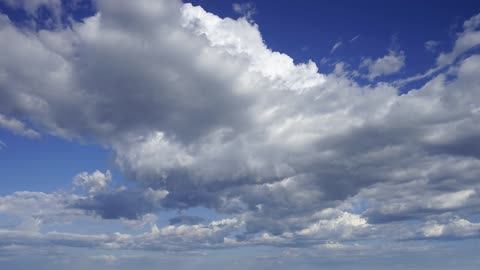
[17,127]
[355,38]
[247,10]
[335,47]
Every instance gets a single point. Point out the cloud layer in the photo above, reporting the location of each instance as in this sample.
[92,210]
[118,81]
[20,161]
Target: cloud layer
[201,113]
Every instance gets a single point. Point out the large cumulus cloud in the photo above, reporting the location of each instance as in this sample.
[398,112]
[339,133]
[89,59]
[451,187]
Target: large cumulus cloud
[199,109]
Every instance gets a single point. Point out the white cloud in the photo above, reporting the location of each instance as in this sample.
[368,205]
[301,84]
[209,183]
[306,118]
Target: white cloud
[106,258]
[335,47]
[201,113]
[454,227]
[466,40]
[389,64]
[431,45]
[94,182]
[32,210]
[247,10]
[17,127]
[355,38]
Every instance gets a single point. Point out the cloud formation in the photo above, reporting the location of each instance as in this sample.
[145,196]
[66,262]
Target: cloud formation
[247,10]
[389,64]
[199,112]
[17,127]
[94,182]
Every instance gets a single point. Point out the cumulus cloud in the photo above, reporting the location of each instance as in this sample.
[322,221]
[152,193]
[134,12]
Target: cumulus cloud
[94,182]
[199,112]
[450,228]
[389,64]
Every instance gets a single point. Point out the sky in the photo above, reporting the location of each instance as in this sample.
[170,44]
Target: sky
[208,134]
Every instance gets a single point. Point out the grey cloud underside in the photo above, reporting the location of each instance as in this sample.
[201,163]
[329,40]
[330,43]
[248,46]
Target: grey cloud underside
[200,112]
[129,204]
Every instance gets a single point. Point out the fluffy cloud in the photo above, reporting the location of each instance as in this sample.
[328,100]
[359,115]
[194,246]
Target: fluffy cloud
[94,182]
[201,113]
[449,227]
[391,63]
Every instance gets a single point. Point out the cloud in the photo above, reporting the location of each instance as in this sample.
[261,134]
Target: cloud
[450,228]
[335,47]
[431,45]
[94,182]
[389,64]
[17,127]
[106,258]
[187,220]
[32,210]
[199,112]
[465,41]
[355,38]
[32,6]
[247,10]
[122,203]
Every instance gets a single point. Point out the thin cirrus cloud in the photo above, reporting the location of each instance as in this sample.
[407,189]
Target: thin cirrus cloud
[199,112]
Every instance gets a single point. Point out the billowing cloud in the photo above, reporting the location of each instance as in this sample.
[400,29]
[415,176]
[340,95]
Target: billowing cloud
[94,182]
[453,227]
[199,112]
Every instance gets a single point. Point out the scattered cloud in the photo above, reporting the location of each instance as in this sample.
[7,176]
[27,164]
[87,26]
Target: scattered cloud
[466,40]
[106,258]
[93,183]
[247,10]
[355,38]
[200,113]
[17,127]
[431,45]
[389,64]
[451,228]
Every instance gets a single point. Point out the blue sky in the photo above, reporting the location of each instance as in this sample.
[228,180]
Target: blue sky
[160,134]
